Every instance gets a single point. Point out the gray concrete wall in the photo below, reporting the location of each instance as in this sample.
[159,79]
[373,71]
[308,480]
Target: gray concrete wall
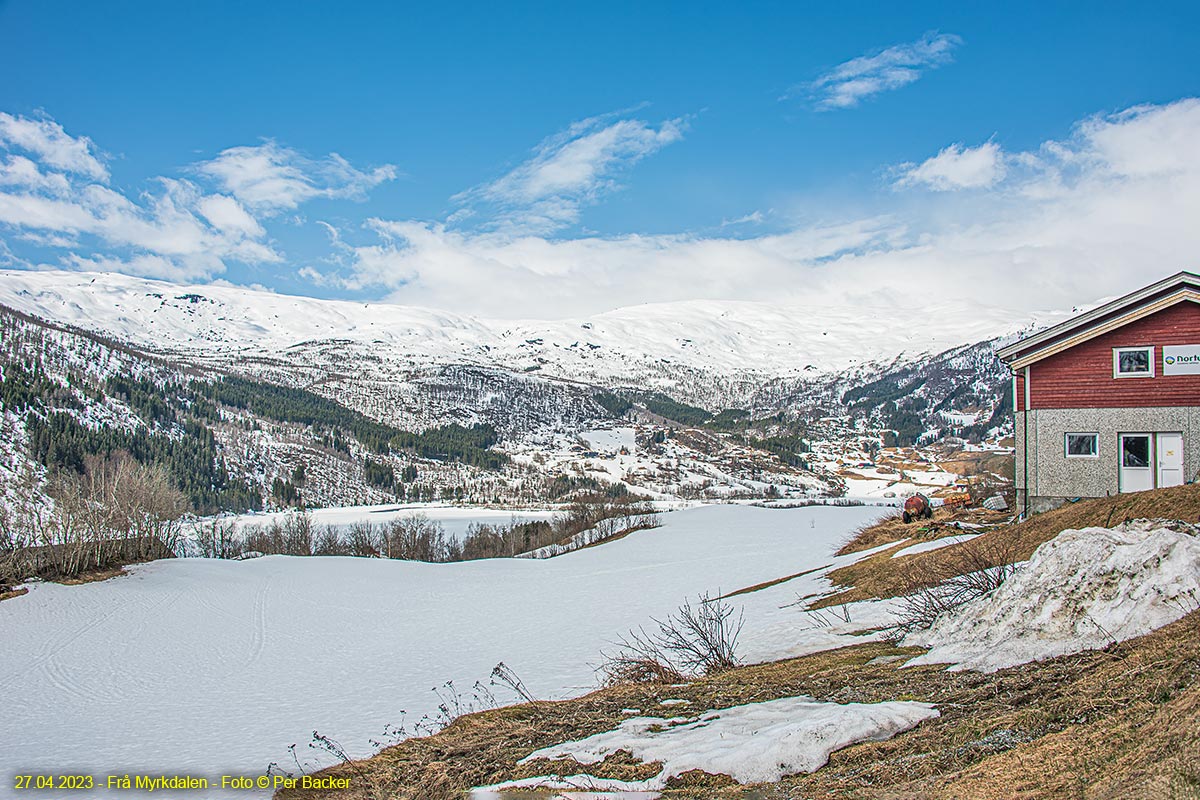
[1052,477]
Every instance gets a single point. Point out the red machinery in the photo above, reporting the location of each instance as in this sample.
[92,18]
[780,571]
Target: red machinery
[917,507]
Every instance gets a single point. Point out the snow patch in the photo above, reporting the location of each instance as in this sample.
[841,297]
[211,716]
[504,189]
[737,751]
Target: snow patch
[936,544]
[752,743]
[1082,590]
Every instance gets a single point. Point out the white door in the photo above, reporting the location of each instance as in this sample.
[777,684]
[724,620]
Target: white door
[1136,473]
[1170,459]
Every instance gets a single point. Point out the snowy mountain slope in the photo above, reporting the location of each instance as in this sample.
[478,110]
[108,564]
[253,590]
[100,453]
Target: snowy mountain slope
[625,345]
[66,394]
[535,383]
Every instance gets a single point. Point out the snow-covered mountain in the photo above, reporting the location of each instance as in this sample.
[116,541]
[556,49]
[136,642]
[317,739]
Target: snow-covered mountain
[779,376]
[661,343]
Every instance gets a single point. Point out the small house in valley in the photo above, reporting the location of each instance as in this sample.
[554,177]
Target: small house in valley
[1109,400]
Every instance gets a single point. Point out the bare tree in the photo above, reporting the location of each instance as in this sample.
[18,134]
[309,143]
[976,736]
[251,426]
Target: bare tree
[218,539]
[415,538]
[697,639]
[115,512]
[365,539]
[329,542]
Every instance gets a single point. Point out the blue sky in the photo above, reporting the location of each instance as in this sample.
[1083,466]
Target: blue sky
[542,159]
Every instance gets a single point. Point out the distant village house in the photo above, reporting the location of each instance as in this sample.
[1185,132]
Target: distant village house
[1109,401]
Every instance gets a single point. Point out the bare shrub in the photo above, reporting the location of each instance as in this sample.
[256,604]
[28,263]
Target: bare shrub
[417,538]
[505,541]
[329,542]
[218,538]
[697,639]
[364,539]
[948,578]
[291,536]
[266,539]
[298,534]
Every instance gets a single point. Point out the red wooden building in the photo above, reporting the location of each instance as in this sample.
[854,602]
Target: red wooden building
[1109,401]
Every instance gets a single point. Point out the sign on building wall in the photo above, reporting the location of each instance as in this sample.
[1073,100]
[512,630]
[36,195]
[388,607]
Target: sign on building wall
[1181,359]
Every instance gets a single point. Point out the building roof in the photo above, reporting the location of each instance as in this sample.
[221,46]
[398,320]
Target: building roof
[1180,287]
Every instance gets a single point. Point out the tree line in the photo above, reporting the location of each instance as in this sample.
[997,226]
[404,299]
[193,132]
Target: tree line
[417,538]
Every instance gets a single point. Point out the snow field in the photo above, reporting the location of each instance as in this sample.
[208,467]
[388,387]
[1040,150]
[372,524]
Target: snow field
[1082,590]
[217,666]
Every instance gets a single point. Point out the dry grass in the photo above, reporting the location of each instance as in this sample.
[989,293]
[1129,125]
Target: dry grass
[92,576]
[881,576]
[894,529]
[768,584]
[84,577]
[1112,723]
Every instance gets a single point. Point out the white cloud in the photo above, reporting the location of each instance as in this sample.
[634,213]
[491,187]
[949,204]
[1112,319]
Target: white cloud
[753,218]
[1099,213]
[53,146]
[271,178]
[20,171]
[54,194]
[495,274]
[176,231]
[849,83]
[227,214]
[568,171]
[956,167]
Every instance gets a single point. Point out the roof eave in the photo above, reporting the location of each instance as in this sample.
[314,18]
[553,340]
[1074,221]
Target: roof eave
[1012,352]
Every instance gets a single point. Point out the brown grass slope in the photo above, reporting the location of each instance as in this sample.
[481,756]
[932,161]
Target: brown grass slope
[1121,722]
[881,576]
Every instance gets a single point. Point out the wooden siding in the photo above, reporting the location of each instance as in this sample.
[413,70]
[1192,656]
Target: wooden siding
[1082,377]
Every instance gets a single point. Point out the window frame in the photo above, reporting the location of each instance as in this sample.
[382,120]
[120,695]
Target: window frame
[1095,442]
[1122,438]
[1117,351]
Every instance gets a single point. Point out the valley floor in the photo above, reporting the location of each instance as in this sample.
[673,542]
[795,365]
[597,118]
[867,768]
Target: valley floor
[216,667]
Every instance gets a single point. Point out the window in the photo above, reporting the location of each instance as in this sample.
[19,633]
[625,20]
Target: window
[1135,451]
[1133,362]
[1082,445]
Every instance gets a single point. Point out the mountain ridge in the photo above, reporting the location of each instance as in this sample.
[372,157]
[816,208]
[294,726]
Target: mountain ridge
[729,338]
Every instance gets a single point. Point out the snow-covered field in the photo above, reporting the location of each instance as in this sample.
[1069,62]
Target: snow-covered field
[215,667]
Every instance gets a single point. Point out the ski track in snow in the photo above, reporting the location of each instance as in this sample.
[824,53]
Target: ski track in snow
[215,667]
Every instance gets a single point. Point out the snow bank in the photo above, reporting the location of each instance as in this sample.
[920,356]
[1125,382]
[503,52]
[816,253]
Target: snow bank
[1082,590]
[752,743]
